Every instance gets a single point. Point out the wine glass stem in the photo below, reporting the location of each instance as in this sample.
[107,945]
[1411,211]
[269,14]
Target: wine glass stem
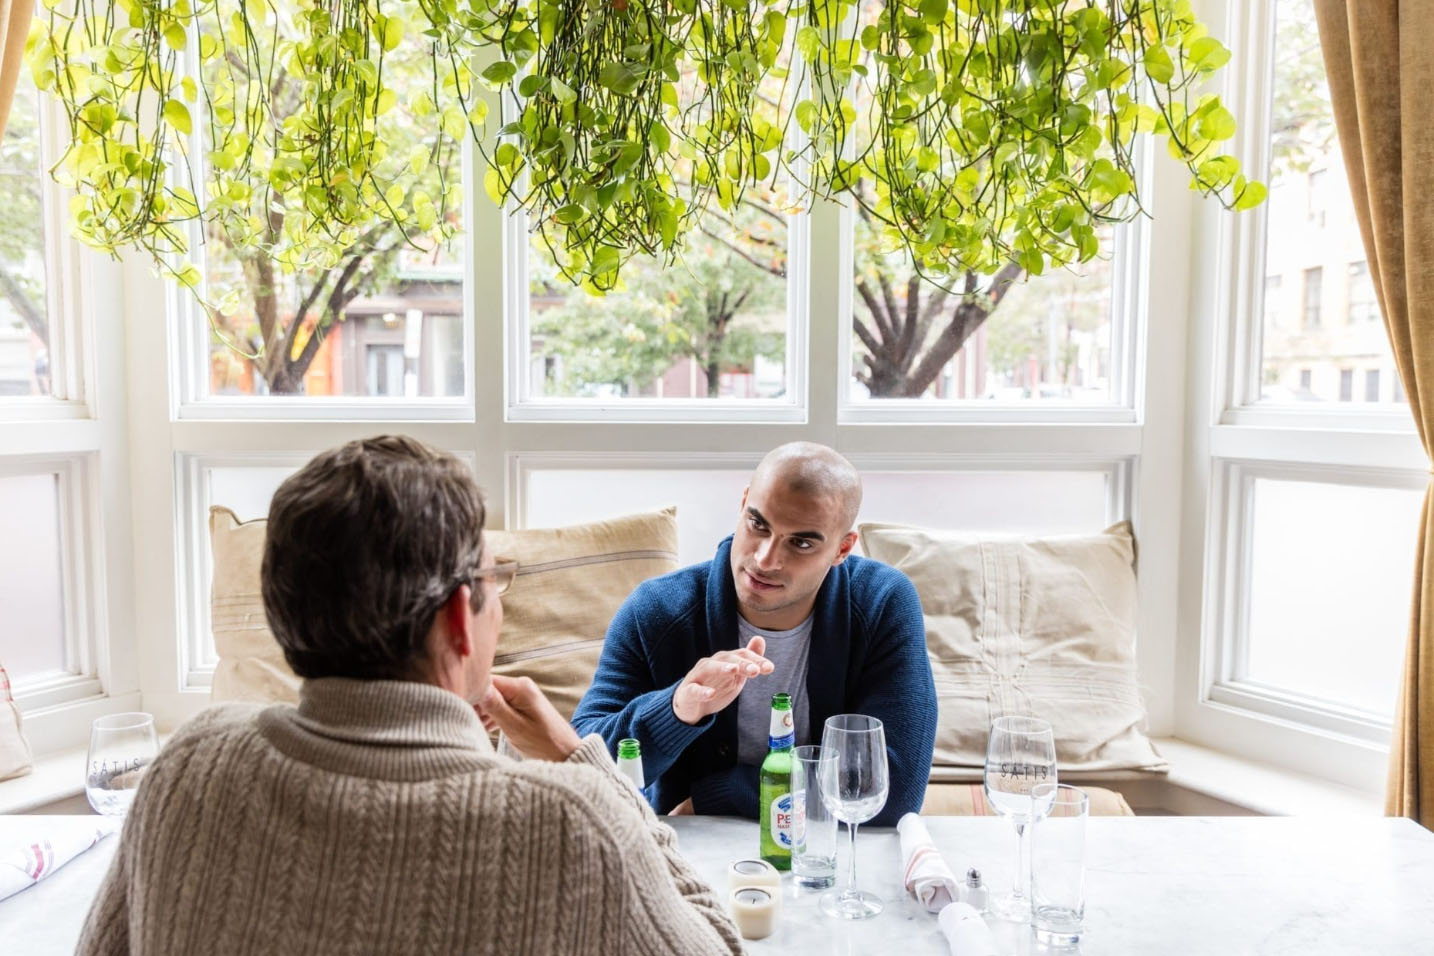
[851,889]
[1023,862]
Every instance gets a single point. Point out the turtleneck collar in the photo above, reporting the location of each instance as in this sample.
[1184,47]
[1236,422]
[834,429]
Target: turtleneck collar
[389,730]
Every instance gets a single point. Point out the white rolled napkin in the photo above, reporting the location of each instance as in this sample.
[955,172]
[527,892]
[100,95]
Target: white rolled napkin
[927,877]
[966,932]
[46,846]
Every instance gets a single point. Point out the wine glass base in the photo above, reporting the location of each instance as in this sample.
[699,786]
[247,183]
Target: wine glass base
[1012,909]
[852,904]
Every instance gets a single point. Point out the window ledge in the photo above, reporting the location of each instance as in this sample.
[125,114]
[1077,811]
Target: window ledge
[57,776]
[1255,787]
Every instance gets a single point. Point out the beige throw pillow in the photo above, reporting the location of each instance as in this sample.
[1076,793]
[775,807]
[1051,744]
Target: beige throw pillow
[251,665]
[14,749]
[1038,626]
[570,583]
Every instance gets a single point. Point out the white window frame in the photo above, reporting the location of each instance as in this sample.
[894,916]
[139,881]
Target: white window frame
[1235,438]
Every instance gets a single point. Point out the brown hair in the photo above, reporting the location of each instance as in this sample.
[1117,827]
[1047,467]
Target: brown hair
[364,545]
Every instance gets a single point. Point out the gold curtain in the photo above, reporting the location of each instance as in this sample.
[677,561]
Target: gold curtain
[15,23]
[1381,80]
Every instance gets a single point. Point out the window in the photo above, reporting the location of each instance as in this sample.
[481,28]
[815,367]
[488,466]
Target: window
[1274,301]
[26,361]
[1362,304]
[1312,241]
[1303,641]
[382,326]
[1290,669]
[1314,280]
[31,584]
[1316,205]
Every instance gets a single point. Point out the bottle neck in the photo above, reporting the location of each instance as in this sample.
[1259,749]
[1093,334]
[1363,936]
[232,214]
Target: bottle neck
[781,734]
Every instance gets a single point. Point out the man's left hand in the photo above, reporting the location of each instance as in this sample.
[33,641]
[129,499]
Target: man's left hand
[683,809]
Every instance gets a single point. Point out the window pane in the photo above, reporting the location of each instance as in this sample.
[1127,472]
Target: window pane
[386,321]
[32,630]
[708,500]
[1329,598]
[713,325]
[1321,320]
[1046,338]
[24,322]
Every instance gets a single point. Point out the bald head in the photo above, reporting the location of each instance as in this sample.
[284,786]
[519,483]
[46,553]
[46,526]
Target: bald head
[811,470]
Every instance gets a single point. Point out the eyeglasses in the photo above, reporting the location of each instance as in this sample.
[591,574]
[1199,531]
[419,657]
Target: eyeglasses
[502,573]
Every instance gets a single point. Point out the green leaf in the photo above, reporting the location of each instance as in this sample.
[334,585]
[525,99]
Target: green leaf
[1158,65]
[808,41]
[561,91]
[1217,123]
[175,36]
[619,77]
[390,32]
[1208,54]
[176,114]
[500,73]
[571,213]
[1251,196]
[933,11]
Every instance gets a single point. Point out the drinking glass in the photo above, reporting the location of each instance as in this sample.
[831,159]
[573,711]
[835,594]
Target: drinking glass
[1020,753]
[814,829]
[854,786]
[121,746]
[1058,865]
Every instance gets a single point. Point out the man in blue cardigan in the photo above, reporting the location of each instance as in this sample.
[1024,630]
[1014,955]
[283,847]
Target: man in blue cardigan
[692,659]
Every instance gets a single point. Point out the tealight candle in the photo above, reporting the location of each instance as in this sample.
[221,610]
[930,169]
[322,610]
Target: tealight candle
[754,910]
[753,873]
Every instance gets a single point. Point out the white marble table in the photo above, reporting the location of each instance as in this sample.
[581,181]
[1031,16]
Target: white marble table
[1227,886]
[1222,886]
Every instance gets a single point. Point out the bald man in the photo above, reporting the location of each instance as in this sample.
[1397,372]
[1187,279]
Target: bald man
[692,659]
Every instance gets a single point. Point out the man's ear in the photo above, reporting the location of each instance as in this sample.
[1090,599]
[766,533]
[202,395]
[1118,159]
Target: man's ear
[455,621]
[848,542]
[743,506]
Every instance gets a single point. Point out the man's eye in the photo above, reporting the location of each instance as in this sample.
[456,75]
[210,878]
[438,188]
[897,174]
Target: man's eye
[801,544]
[756,525]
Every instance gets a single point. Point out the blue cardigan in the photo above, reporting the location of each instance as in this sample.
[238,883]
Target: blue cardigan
[868,656]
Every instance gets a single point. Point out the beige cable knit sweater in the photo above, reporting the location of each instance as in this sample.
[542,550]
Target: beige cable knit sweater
[375,818]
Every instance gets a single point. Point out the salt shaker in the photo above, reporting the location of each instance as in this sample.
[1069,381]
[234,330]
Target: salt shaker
[973,892]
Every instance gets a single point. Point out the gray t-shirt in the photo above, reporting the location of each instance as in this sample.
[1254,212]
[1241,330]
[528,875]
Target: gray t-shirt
[787,650]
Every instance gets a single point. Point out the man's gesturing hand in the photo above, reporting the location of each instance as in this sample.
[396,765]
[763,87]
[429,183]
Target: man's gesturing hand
[531,723]
[714,682]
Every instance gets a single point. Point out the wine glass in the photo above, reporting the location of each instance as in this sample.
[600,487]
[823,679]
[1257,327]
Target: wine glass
[121,747]
[854,786]
[1020,753]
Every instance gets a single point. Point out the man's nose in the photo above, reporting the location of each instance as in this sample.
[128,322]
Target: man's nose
[767,553]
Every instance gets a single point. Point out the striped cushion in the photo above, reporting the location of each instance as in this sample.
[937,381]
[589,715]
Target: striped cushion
[969,800]
[570,583]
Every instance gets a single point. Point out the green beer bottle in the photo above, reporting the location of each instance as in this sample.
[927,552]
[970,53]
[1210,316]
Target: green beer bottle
[775,785]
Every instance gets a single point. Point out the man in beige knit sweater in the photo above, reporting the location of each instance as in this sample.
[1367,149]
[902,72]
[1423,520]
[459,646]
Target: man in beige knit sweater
[375,817]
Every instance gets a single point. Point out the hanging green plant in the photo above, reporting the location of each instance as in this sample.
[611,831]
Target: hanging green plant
[984,132]
[270,127]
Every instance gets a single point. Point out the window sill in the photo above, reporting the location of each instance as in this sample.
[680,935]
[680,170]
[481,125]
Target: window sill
[57,776]
[1200,776]
[55,785]
[1206,782]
